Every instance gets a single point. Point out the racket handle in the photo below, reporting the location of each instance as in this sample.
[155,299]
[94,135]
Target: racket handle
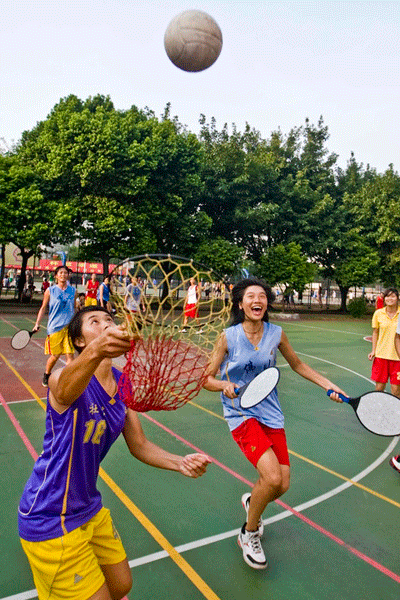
[341,396]
[236,390]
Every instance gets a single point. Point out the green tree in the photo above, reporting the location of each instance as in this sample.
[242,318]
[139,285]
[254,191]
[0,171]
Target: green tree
[221,255]
[287,267]
[375,208]
[130,176]
[27,212]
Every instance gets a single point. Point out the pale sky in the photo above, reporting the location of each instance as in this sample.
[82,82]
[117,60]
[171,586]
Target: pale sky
[281,62]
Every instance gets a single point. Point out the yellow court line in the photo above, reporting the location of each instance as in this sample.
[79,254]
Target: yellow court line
[143,520]
[25,383]
[359,485]
[319,466]
[158,536]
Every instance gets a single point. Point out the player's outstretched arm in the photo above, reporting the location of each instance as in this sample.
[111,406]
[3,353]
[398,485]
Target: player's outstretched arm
[191,465]
[42,309]
[305,370]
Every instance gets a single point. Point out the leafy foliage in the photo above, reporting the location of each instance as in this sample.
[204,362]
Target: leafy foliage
[127,182]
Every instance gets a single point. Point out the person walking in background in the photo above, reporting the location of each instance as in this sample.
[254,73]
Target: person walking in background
[190,307]
[60,299]
[386,361]
[104,292]
[379,302]
[91,291]
[133,297]
[45,285]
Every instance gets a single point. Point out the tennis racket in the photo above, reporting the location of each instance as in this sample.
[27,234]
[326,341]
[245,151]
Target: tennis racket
[21,339]
[378,412]
[254,392]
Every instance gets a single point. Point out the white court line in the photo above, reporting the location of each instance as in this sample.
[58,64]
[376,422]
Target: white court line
[27,400]
[335,365]
[295,324]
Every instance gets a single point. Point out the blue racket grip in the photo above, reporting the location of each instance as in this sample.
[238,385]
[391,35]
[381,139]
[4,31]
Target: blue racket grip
[236,390]
[341,396]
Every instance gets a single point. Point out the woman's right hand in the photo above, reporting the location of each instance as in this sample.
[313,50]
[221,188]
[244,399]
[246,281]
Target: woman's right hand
[229,390]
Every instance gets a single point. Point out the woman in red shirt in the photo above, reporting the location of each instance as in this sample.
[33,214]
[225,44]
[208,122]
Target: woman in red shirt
[91,291]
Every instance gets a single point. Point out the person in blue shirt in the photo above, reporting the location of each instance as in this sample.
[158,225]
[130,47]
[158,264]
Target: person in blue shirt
[103,293]
[243,351]
[72,545]
[60,299]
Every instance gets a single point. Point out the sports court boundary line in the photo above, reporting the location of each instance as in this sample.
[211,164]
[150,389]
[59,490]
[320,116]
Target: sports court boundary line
[294,511]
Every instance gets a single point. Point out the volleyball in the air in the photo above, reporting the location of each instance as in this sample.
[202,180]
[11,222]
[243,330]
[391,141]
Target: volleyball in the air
[193,40]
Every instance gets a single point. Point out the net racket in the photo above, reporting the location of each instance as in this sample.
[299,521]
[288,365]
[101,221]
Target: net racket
[21,339]
[261,386]
[168,365]
[378,412]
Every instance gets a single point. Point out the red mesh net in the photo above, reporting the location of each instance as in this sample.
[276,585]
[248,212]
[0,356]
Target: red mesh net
[162,373]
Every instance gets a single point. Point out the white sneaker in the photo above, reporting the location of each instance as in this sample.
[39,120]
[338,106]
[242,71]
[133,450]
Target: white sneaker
[253,554]
[246,504]
[395,462]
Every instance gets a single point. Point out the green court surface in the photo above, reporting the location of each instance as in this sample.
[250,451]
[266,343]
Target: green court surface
[333,536]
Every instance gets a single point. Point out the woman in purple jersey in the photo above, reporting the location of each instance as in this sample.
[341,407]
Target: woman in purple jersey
[245,349]
[72,546]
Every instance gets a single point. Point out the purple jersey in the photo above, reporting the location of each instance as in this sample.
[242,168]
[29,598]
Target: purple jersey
[61,493]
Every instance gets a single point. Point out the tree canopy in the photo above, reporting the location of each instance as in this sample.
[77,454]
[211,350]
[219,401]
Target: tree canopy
[128,182]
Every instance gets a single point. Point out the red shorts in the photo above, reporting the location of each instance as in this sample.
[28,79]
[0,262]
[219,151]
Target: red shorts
[384,369]
[254,438]
[191,311]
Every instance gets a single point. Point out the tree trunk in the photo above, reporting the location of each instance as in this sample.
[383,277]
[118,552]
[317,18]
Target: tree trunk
[3,266]
[22,278]
[343,297]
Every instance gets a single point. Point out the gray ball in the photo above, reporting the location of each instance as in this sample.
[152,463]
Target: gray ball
[193,40]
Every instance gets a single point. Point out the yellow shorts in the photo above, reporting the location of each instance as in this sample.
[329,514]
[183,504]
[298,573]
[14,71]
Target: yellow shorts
[90,302]
[68,567]
[59,343]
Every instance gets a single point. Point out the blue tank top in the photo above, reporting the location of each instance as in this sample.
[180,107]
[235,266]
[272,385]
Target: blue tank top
[106,292]
[242,363]
[61,308]
[61,493]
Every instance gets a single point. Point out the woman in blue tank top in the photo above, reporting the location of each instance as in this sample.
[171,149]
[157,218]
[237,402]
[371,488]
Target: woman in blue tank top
[74,550]
[243,351]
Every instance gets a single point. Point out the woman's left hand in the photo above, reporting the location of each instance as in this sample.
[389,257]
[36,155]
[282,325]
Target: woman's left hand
[194,465]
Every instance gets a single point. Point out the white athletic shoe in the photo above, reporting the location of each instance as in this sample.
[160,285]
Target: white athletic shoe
[253,554]
[246,504]
[395,462]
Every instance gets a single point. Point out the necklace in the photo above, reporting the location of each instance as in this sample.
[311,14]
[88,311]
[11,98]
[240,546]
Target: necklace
[255,333]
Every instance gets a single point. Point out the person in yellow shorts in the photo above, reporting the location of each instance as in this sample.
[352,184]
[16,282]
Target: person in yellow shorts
[91,291]
[69,538]
[60,299]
